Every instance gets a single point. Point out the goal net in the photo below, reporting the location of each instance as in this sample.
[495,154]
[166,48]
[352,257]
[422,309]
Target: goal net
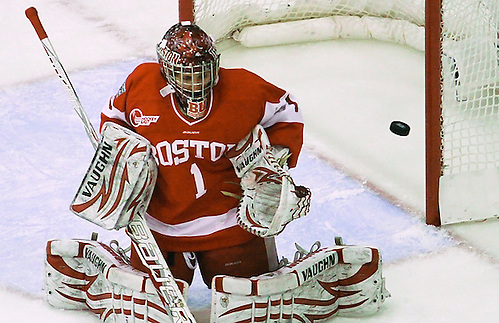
[463,162]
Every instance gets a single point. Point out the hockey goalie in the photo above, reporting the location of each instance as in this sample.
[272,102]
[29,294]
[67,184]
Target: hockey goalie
[316,286]
[202,154]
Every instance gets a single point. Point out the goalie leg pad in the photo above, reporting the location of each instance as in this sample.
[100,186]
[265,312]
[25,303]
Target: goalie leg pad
[120,180]
[336,281]
[83,274]
[270,197]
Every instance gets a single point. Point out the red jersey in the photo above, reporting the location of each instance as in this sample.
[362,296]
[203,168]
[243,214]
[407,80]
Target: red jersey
[187,206]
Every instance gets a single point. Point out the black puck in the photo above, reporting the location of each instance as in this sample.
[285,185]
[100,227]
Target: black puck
[400,128]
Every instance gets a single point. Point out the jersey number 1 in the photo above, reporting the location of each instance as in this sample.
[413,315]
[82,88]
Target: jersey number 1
[198,180]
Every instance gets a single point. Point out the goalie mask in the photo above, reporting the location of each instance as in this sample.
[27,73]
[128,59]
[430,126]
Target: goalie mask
[190,62]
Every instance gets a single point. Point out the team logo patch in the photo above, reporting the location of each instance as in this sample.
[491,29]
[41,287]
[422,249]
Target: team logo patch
[137,118]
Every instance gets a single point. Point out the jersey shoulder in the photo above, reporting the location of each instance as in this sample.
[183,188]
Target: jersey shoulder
[144,70]
[145,79]
[242,75]
[246,81]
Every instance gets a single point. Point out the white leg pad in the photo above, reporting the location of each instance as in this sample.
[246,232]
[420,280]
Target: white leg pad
[334,281]
[84,274]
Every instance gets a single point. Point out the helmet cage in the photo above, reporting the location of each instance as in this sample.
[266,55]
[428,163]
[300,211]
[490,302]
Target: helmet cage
[192,81]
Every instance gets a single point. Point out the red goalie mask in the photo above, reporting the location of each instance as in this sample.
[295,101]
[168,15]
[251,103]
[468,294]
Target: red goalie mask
[190,63]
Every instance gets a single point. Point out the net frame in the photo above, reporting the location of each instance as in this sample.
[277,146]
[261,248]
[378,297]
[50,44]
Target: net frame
[433,109]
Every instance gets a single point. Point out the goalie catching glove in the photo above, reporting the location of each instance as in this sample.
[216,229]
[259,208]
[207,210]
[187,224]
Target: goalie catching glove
[270,198]
[120,180]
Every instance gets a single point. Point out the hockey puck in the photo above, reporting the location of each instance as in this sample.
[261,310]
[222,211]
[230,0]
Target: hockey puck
[400,128]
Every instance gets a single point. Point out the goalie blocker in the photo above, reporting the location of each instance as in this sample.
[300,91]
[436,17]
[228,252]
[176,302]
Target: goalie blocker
[327,282]
[270,197]
[120,180]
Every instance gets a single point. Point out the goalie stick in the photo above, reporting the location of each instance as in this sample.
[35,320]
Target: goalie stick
[139,232]
[32,15]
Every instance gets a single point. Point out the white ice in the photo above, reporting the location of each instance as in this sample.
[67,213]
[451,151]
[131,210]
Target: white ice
[367,184]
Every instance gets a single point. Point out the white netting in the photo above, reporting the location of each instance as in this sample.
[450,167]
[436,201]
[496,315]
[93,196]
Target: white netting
[221,18]
[470,69]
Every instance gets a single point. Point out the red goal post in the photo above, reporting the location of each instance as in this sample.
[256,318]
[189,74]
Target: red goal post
[433,111]
[460,40]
